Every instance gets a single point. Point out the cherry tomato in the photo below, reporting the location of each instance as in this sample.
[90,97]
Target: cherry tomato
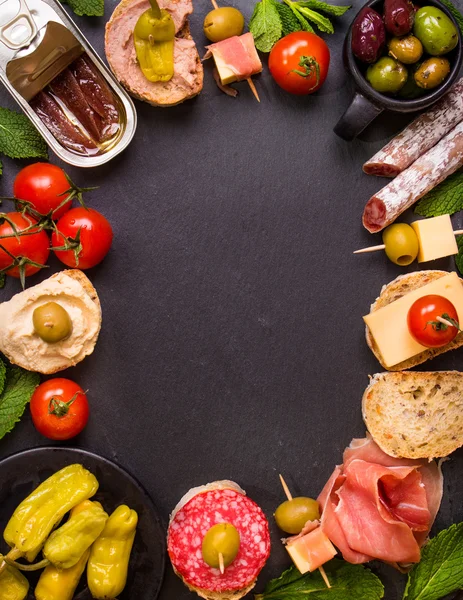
[44,186]
[299,63]
[424,326]
[90,237]
[31,246]
[59,409]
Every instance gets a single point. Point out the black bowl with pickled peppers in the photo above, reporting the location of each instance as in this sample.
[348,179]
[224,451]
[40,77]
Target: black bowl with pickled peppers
[369,103]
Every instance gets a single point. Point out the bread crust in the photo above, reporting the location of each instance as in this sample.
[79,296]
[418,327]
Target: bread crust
[415,415]
[92,293]
[395,290]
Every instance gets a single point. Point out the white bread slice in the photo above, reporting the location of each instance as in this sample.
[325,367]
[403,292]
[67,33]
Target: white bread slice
[395,290]
[215,485]
[415,415]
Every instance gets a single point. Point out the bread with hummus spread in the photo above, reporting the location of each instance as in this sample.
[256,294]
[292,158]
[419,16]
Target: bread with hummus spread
[19,340]
[187,81]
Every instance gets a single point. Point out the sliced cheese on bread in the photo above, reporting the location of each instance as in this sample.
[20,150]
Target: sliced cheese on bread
[415,415]
[386,326]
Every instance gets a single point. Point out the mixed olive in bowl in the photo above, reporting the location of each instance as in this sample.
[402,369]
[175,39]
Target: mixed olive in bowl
[405,50]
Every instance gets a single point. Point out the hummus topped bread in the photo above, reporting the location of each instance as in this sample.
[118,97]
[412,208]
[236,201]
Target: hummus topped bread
[187,78]
[53,325]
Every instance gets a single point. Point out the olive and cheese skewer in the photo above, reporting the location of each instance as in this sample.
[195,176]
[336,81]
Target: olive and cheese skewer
[234,33]
[426,239]
[292,516]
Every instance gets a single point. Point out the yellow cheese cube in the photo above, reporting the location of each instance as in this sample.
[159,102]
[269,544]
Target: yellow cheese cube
[225,73]
[311,551]
[389,327]
[436,238]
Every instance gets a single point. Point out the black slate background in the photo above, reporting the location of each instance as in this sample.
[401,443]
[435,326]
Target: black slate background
[232,343]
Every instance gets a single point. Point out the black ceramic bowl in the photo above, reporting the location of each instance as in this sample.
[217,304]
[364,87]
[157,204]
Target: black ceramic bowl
[368,103]
[21,473]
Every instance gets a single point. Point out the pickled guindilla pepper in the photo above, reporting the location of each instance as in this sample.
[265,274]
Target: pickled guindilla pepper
[154,37]
[110,555]
[60,584]
[41,511]
[65,546]
[13,584]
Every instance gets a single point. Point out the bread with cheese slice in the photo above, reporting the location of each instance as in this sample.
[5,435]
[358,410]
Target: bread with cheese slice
[415,415]
[395,290]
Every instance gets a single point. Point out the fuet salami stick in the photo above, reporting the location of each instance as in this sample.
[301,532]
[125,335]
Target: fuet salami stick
[418,137]
[412,184]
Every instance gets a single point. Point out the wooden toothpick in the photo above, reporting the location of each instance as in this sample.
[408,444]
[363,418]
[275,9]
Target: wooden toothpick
[290,497]
[221,565]
[444,322]
[248,79]
[370,249]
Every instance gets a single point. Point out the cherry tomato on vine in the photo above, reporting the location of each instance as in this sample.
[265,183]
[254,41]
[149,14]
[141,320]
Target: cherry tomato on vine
[19,251]
[299,63]
[424,325]
[59,409]
[88,235]
[44,186]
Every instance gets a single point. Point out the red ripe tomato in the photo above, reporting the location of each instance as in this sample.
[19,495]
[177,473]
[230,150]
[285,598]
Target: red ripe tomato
[88,234]
[59,409]
[424,326]
[299,63]
[44,186]
[33,246]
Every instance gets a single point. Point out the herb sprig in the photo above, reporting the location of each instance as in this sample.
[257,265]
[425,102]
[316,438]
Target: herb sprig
[271,19]
[19,138]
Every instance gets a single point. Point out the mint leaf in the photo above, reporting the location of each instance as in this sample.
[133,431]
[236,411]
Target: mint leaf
[459,256]
[348,582]
[289,21]
[2,375]
[19,386]
[455,12]
[18,137]
[305,25]
[445,199]
[265,25]
[329,9]
[440,570]
[322,22]
[87,8]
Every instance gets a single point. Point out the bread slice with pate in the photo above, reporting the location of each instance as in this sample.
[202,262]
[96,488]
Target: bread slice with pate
[391,292]
[415,414]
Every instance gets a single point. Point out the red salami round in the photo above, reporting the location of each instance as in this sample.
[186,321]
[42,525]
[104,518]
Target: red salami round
[191,523]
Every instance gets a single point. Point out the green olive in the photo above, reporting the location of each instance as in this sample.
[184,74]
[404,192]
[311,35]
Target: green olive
[52,322]
[387,75]
[222,23]
[435,30]
[408,49]
[432,73]
[292,515]
[224,539]
[401,244]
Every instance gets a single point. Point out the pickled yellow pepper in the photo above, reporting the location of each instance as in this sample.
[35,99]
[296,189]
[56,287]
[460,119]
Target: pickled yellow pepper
[42,510]
[154,38]
[60,584]
[13,585]
[110,555]
[65,546]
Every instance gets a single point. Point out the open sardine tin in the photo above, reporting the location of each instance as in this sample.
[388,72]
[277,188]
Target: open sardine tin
[41,51]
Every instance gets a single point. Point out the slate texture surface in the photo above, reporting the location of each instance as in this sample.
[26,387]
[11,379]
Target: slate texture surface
[232,343]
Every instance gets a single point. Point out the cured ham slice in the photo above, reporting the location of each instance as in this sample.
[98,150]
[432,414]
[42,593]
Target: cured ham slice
[412,184]
[236,58]
[418,137]
[378,507]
